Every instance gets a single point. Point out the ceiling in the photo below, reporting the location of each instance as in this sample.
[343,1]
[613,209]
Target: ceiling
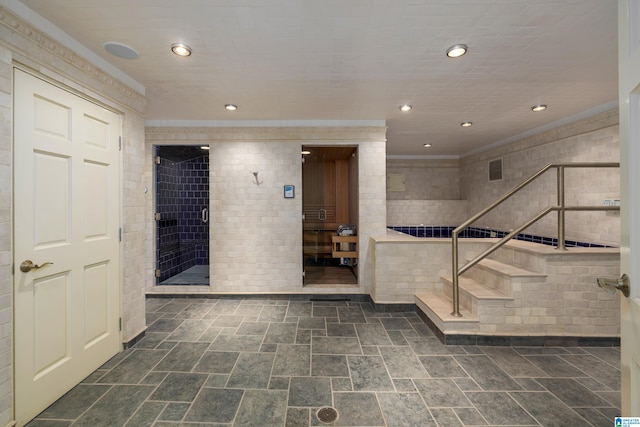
[330,60]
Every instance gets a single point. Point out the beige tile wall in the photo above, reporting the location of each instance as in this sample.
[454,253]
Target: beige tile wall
[426,179]
[411,265]
[6,256]
[431,196]
[433,187]
[426,212]
[256,234]
[590,140]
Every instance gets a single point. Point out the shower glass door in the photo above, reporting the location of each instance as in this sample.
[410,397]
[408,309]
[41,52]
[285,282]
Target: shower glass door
[318,216]
[182,215]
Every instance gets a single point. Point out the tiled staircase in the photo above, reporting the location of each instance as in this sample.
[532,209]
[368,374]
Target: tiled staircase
[503,293]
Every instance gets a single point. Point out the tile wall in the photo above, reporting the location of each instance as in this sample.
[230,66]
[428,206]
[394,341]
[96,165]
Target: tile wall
[457,189]
[256,234]
[426,179]
[414,265]
[6,255]
[590,140]
[426,212]
[431,196]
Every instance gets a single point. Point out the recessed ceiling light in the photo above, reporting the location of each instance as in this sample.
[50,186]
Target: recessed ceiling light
[121,50]
[406,107]
[231,107]
[427,145]
[181,49]
[457,50]
[466,124]
[539,107]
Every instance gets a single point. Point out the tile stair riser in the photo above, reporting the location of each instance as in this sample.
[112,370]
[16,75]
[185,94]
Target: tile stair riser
[490,278]
[500,281]
[422,305]
[529,261]
[520,258]
[467,301]
[470,301]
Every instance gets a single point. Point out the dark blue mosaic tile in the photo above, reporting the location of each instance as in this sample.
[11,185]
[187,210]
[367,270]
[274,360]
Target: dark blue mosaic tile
[475,232]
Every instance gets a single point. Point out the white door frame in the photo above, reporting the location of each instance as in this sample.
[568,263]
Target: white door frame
[629,101]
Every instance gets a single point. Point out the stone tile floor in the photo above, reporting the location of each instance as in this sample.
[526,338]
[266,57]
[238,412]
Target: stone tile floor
[263,362]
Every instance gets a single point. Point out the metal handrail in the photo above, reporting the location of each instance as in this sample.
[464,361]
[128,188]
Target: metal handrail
[560,208]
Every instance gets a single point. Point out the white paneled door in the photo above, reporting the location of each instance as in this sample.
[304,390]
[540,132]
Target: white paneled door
[629,83]
[66,241]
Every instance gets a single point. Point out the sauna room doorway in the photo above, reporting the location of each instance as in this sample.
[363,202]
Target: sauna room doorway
[182,215]
[330,215]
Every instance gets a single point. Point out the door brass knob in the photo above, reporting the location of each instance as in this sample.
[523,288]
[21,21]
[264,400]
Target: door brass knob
[28,265]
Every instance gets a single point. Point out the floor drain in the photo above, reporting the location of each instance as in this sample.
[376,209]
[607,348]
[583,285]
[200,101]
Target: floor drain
[327,415]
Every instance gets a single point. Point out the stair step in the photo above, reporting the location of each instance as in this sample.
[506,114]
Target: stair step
[507,269]
[442,306]
[476,289]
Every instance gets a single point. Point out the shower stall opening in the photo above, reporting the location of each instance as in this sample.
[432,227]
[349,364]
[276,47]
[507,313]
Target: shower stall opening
[182,215]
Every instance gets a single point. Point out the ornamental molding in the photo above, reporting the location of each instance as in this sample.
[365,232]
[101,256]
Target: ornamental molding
[308,134]
[22,37]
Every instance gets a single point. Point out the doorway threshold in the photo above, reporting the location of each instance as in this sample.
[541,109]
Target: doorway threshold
[331,285]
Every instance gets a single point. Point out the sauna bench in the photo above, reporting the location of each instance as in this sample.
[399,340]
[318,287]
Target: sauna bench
[335,246]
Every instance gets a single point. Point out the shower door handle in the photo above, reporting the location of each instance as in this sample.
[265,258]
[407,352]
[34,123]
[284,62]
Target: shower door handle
[205,215]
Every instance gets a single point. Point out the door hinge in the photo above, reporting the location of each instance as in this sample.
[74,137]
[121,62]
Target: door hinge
[120,324]
[120,234]
[119,143]
[303,217]
[157,272]
[157,216]
[157,160]
[302,160]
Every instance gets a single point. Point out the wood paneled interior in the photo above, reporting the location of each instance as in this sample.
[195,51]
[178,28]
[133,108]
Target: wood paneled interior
[325,194]
[342,276]
[342,191]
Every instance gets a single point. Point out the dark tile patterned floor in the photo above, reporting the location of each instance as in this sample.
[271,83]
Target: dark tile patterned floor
[262,363]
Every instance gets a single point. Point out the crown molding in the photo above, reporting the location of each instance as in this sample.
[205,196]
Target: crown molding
[306,134]
[37,50]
